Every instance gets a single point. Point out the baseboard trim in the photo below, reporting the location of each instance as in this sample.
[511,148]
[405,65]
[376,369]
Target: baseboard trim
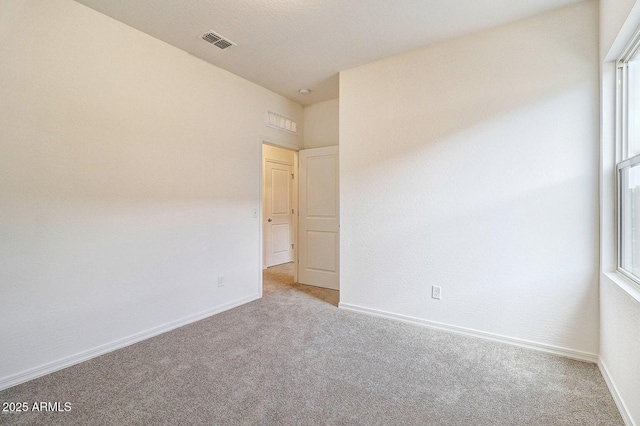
[542,347]
[33,373]
[622,408]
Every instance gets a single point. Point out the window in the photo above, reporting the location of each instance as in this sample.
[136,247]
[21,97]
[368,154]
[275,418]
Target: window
[628,157]
[629,217]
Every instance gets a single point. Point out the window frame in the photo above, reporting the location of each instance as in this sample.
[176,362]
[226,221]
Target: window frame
[623,161]
[620,167]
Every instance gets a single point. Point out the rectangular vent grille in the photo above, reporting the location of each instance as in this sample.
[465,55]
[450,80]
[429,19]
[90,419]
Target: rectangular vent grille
[223,44]
[217,40]
[211,38]
[281,122]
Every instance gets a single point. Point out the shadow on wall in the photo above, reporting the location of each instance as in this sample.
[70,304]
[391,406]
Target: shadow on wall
[498,264]
[425,98]
[473,165]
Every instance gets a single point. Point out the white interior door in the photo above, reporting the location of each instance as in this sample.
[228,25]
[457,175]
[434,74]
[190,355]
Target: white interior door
[319,222]
[278,214]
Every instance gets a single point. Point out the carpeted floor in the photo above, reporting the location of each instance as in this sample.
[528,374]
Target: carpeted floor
[293,358]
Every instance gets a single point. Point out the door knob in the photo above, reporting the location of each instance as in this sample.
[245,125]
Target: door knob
[269,220]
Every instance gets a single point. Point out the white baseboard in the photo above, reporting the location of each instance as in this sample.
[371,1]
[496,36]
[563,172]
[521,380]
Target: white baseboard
[624,412]
[555,350]
[33,373]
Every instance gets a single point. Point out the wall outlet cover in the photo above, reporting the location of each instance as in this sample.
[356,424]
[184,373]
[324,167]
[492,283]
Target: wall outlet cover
[436,292]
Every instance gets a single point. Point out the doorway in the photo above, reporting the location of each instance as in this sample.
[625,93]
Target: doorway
[300,213]
[278,205]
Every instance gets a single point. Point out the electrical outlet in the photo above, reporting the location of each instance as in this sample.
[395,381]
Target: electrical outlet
[220,280]
[436,292]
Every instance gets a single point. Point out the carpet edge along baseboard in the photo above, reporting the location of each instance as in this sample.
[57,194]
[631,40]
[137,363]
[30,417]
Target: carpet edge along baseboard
[51,367]
[542,347]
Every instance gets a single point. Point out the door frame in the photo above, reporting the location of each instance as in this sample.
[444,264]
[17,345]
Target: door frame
[294,203]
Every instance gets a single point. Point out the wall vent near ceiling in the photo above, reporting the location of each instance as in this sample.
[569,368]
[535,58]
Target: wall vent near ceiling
[217,40]
[281,122]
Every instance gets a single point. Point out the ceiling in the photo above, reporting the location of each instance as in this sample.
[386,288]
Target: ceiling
[287,45]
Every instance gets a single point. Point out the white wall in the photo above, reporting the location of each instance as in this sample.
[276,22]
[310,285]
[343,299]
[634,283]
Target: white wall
[472,165]
[128,175]
[619,300]
[321,124]
[613,14]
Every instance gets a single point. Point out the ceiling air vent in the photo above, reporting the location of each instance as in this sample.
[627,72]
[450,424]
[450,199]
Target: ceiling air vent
[223,44]
[217,40]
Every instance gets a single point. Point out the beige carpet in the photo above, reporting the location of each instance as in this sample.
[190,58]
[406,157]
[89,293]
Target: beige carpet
[293,358]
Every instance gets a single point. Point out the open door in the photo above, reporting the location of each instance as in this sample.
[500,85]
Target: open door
[319,222]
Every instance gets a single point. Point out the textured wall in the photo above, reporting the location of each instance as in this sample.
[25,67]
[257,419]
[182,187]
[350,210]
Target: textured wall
[321,124]
[472,165]
[128,175]
[619,301]
[620,343]
[613,14]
